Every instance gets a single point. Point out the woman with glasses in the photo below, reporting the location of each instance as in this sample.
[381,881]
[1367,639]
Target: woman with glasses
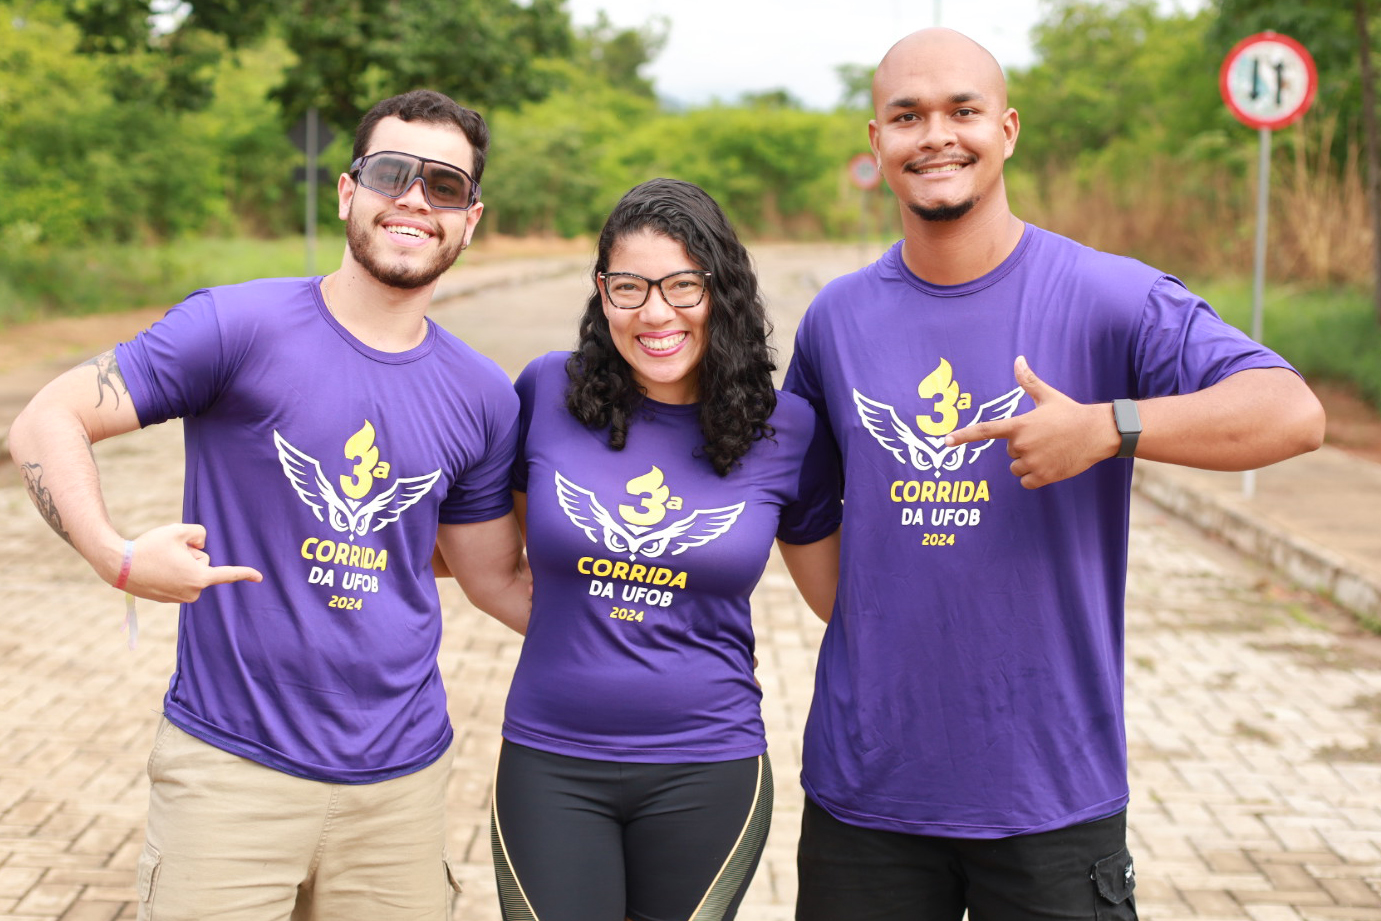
[656,466]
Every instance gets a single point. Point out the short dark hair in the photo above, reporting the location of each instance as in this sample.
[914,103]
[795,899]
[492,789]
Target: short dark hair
[430,107]
[735,376]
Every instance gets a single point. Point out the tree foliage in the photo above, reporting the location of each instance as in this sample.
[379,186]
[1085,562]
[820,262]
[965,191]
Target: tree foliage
[120,127]
[347,53]
[1126,143]
[89,157]
[1116,74]
[615,57]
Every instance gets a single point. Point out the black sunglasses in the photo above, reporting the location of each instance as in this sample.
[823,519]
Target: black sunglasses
[392,173]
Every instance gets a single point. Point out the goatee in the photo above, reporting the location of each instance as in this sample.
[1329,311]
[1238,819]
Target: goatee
[944,212]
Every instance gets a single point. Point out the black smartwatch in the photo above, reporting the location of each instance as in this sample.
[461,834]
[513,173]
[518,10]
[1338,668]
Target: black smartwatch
[1128,422]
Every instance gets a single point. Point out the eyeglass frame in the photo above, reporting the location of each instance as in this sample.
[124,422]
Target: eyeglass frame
[657,283]
[359,164]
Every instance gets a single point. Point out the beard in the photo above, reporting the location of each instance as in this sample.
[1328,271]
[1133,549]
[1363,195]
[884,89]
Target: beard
[365,247]
[940,213]
[943,212]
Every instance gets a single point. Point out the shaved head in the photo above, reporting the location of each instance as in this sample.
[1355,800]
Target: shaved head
[939,49]
[942,130]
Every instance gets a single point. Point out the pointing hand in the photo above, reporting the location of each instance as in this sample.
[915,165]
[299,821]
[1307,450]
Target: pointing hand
[1058,439]
[169,564]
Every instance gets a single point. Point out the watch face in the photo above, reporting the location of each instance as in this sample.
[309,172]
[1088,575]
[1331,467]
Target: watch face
[1128,421]
[1126,417]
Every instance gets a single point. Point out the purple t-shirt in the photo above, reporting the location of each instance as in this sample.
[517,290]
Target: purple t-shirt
[326,465]
[640,646]
[970,683]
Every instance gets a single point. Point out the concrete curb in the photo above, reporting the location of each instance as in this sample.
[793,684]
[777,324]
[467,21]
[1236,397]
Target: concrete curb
[1297,558]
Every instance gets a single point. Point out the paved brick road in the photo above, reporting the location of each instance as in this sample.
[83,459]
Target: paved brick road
[1254,716]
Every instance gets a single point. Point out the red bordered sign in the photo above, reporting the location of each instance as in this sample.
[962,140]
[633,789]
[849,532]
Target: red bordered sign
[1268,80]
[863,172]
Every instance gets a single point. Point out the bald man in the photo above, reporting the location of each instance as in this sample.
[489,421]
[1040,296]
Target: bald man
[988,384]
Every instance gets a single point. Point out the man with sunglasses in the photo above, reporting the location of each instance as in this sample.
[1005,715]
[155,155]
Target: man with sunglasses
[302,762]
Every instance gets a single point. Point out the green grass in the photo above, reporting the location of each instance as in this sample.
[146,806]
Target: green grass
[36,283]
[1330,334]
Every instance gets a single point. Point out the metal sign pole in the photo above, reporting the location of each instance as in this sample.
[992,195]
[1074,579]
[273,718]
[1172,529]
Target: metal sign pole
[1263,191]
[1268,81]
[1263,185]
[865,176]
[862,220]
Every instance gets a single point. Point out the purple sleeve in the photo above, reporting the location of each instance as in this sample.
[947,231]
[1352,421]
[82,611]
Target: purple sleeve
[482,493]
[526,386]
[1184,346]
[175,367]
[818,508]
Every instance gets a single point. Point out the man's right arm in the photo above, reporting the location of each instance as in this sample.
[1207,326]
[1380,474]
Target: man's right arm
[51,443]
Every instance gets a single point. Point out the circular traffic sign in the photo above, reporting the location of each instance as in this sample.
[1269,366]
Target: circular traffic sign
[863,171]
[1268,80]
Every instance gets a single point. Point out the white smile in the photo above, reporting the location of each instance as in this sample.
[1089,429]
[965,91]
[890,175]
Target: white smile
[406,231]
[951,168]
[663,343]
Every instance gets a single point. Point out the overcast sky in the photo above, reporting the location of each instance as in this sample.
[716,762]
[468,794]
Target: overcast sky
[723,48]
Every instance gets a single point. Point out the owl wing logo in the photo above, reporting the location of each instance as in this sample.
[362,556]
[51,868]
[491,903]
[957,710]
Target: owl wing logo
[1001,408]
[386,507]
[315,489]
[697,529]
[586,513]
[882,423]
[312,486]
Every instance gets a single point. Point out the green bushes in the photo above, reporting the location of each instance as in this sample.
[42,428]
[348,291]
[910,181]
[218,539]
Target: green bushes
[1327,334]
[91,156]
[558,166]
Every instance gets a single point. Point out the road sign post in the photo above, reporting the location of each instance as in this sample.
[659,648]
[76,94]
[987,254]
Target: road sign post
[1268,80]
[310,136]
[865,176]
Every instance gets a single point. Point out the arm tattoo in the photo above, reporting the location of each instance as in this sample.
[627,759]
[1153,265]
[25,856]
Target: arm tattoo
[43,499]
[108,375]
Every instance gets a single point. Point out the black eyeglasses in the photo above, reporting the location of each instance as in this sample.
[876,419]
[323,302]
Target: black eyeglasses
[679,289]
[392,173]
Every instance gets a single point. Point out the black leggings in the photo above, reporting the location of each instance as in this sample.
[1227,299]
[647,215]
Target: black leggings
[582,840]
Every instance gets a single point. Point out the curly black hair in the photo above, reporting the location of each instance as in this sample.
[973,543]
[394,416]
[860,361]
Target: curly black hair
[734,379]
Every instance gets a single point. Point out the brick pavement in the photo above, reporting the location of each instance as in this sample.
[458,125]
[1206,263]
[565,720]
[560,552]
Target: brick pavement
[1254,712]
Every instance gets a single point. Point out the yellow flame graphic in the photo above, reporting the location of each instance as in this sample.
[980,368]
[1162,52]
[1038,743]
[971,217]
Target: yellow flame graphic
[654,495]
[360,446]
[940,386]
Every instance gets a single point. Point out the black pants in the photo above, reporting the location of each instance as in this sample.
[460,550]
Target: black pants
[849,873]
[582,840]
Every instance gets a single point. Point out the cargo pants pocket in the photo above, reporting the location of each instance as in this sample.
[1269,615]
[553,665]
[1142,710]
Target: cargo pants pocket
[146,883]
[452,884]
[1115,879]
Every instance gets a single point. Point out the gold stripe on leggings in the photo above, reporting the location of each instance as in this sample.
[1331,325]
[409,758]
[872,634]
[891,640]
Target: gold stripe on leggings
[751,839]
[512,898]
